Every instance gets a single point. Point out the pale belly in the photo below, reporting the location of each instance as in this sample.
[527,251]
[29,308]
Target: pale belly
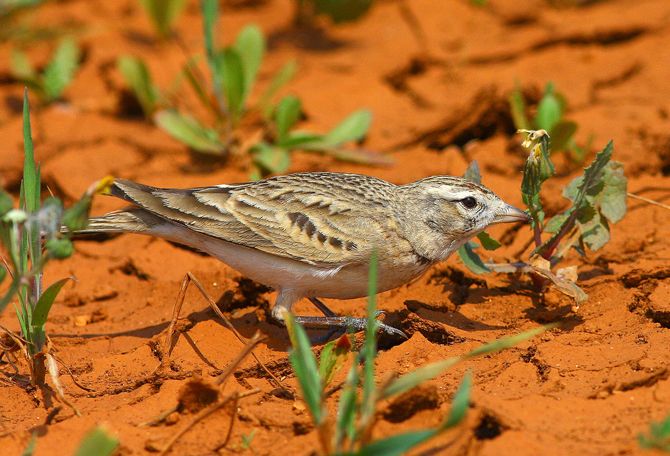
[294,277]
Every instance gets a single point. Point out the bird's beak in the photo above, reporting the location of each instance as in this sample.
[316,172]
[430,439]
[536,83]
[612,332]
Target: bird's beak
[510,214]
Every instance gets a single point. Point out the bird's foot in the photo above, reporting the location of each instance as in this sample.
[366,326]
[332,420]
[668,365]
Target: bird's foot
[351,324]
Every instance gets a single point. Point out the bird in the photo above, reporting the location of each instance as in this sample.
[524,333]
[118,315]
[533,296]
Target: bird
[312,234]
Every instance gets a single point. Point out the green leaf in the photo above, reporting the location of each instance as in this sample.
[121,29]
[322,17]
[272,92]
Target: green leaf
[369,349]
[346,411]
[97,442]
[20,66]
[271,159]
[295,139]
[460,404]
[591,182]
[549,110]
[342,10]
[472,173]
[360,156]
[163,13]
[250,46]
[137,77]
[60,71]
[353,128]
[555,223]
[75,218]
[59,248]
[283,76]
[286,115]
[561,135]
[6,202]
[189,131]
[470,259]
[659,436]
[304,365]
[229,64]
[595,233]
[613,197]
[31,175]
[45,302]
[517,107]
[32,443]
[487,241]
[507,342]
[396,445]
[332,358]
[3,272]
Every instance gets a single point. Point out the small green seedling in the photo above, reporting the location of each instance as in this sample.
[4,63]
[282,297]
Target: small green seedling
[351,431]
[275,157]
[31,236]
[163,14]
[598,199]
[226,96]
[549,117]
[658,437]
[336,10]
[58,74]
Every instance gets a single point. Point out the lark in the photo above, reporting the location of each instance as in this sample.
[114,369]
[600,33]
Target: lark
[312,235]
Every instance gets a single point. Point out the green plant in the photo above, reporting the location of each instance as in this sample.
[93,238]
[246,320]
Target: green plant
[351,431]
[58,74]
[163,14]
[274,157]
[658,437]
[225,95]
[31,236]
[97,442]
[598,199]
[549,117]
[336,10]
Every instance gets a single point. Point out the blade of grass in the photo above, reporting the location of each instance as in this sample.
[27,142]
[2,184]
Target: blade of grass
[283,76]
[304,364]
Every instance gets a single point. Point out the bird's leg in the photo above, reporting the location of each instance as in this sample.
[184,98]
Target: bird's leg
[337,324]
[170,341]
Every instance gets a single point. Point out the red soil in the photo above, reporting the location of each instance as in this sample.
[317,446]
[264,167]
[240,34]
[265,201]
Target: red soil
[588,388]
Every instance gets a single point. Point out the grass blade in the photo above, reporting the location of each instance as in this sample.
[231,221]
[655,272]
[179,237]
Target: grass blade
[189,131]
[460,404]
[346,412]
[471,259]
[163,13]
[507,342]
[333,356]
[517,106]
[304,365]
[396,445]
[60,71]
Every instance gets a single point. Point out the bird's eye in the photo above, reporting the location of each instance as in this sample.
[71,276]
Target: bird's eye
[469,202]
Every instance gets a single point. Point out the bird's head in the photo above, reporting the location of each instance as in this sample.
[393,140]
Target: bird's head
[447,211]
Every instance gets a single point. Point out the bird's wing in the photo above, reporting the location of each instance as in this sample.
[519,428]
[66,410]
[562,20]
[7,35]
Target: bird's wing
[315,224]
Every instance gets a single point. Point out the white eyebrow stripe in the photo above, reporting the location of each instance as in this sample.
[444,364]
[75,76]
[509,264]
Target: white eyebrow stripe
[450,194]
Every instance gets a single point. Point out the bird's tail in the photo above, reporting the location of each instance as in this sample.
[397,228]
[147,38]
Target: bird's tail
[130,220]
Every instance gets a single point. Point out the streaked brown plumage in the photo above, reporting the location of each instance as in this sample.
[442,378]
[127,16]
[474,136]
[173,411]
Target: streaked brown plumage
[312,234]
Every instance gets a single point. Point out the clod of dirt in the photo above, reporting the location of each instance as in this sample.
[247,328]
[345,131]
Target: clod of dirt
[434,332]
[197,394]
[457,282]
[424,397]
[485,115]
[488,428]
[129,268]
[659,304]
